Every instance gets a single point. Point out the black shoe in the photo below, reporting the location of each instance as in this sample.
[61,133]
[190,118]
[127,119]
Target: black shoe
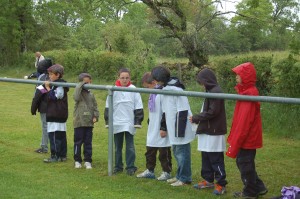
[131,172]
[242,195]
[116,171]
[263,192]
[51,159]
[41,150]
[64,159]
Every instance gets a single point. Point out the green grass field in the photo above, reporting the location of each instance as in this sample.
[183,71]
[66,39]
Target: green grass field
[24,175]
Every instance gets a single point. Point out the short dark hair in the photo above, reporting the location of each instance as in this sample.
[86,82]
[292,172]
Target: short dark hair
[147,78]
[161,73]
[56,69]
[123,70]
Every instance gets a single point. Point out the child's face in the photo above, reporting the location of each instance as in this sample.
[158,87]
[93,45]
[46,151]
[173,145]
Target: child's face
[87,80]
[147,85]
[238,79]
[53,76]
[124,79]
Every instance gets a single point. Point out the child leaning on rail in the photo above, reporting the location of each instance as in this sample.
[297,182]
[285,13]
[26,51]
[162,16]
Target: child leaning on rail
[211,135]
[127,116]
[85,115]
[57,115]
[157,136]
[246,132]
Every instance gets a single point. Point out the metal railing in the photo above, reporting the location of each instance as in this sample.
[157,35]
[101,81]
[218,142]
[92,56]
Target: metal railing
[111,89]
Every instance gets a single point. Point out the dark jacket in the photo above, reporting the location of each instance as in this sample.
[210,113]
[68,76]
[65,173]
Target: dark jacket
[39,101]
[57,109]
[212,119]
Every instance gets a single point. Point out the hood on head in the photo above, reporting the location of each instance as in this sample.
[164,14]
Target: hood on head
[247,73]
[208,78]
[174,81]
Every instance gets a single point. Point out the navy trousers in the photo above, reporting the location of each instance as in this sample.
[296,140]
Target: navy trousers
[58,144]
[83,135]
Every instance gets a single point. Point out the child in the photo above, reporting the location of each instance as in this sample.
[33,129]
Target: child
[211,135]
[157,137]
[39,102]
[128,114]
[177,110]
[57,115]
[85,115]
[246,132]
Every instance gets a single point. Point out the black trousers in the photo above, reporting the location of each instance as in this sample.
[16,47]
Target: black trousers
[58,143]
[213,167]
[245,163]
[164,157]
[83,135]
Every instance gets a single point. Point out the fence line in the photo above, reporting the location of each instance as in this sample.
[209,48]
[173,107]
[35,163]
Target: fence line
[111,89]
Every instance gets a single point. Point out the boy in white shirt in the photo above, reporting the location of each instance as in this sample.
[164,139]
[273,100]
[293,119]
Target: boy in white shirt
[157,136]
[177,110]
[128,115]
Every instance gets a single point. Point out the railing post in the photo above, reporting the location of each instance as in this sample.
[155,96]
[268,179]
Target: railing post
[110,132]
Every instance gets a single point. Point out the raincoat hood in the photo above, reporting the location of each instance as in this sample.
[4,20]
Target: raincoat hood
[207,78]
[247,73]
[118,83]
[174,81]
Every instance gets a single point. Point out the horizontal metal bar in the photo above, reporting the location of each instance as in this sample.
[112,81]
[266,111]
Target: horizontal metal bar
[284,100]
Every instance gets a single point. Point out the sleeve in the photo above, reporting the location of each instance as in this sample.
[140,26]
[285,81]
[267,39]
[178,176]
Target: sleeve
[77,91]
[59,92]
[35,101]
[138,104]
[243,121]
[138,116]
[214,109]
[183,108]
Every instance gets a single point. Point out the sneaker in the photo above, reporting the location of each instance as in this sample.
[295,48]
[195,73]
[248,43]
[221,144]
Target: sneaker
[77,165]
[41,150]
[88,165]
[51,159]
[63,159]
[116,171]
[219,190]
[164,176]
[241,195]
[172,180]
[131,172]
[204,184]
[146,174]
[263,192]
[178,183]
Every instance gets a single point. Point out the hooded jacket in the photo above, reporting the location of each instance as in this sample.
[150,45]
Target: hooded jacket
[212,119]
[246,128]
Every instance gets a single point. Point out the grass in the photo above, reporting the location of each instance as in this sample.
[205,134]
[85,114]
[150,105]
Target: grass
[24,175]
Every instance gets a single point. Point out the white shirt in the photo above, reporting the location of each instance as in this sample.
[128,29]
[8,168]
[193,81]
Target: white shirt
[124,104]
[211,143]
[171,105]
[38,59]
[153,134]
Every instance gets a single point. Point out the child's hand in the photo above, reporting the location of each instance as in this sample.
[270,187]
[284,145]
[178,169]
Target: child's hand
[163,133]
[94,120]
[191,119]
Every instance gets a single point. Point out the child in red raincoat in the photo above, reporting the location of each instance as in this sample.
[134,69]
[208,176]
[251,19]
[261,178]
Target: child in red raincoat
[246,132]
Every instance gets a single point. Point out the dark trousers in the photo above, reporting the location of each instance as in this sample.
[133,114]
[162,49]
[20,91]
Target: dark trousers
[164,157]
[245,162]
[83,135]
[58,144]
[213,167]
[129,153]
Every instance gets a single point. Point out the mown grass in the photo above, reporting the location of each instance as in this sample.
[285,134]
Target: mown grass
[24,175]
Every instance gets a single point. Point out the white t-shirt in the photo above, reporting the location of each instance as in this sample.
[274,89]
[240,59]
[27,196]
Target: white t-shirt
[171,105]
[211,143]
[153,136]
[124,104]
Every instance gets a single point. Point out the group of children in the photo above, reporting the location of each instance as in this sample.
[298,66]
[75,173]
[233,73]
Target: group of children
[169,127]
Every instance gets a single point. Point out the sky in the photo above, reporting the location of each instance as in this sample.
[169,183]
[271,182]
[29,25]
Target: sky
[228,5]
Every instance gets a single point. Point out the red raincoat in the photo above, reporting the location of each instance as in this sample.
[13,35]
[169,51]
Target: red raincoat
[246,129]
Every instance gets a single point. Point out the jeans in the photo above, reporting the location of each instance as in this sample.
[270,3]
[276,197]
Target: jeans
[182,154]
[245,162]
[164,157]
[83,135]
[213,167]
[44,141]
[130,151]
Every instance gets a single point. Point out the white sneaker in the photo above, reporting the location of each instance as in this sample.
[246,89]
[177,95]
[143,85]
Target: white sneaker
[88,165]
[172,180]
[164,176]
[77,165]
[146,174]
[177,183]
